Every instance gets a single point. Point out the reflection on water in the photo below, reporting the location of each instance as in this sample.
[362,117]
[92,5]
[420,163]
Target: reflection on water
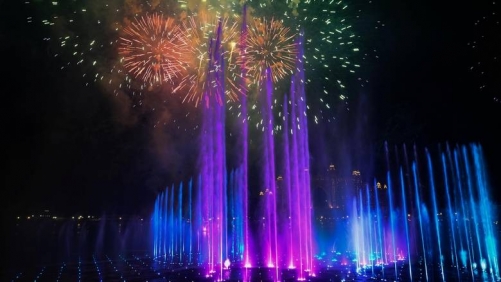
[120,250]
[32,243]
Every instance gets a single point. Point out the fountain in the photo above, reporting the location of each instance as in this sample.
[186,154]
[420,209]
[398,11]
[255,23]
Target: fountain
[216,228]
[432,220]
[429,218]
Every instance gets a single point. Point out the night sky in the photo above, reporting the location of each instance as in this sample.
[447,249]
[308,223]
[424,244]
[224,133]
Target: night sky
[71,148]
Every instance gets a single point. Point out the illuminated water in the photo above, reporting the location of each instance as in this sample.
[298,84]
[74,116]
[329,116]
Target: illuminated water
[431,219]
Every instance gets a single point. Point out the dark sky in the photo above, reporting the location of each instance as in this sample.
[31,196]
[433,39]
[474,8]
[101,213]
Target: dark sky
[72,148]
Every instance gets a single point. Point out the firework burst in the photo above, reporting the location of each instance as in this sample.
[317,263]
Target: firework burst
[151,49]
[92,37]
[199,31]
[269,45]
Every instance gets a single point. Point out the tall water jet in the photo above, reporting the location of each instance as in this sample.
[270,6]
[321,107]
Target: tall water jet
[243,141]
[268,226]
[212,158]
[236,216]
[297,221]
[435,213]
